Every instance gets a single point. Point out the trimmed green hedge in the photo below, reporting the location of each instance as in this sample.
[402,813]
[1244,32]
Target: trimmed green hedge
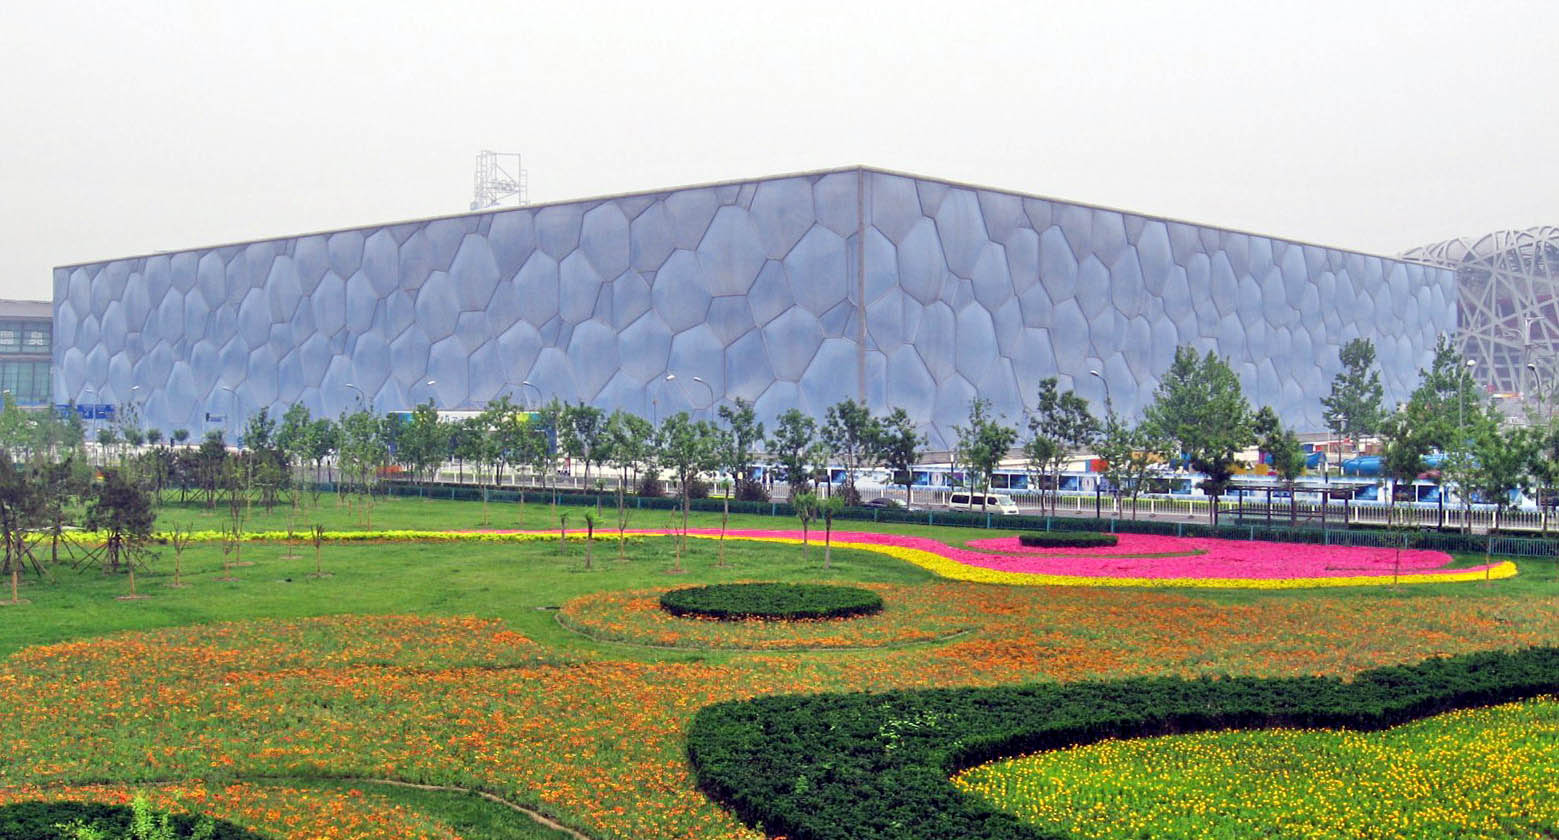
[786,601]
[39,820]
[877,766]
[1066,539]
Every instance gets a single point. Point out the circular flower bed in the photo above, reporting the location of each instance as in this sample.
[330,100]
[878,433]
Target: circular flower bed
[1066,539]
[771,601]
[922,613]
[38,820]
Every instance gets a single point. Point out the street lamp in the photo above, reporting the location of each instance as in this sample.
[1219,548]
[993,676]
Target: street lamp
[1461,404]
[1537,375]
[91,410]
[232,407]
[1109,405]
[362,398]
[710,388]
[529,384]
[432,396]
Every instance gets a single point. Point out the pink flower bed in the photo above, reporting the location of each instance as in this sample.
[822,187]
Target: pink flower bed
[1234,559]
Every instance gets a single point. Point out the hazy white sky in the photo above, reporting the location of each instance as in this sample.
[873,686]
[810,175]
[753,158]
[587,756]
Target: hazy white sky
[130,127]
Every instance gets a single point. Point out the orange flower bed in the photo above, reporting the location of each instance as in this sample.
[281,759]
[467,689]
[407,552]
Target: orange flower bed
[596,742]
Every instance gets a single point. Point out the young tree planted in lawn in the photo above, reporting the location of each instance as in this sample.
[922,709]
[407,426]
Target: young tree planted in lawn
[631,444]
[900,446]
[1497,470]
[982,444]
[829,508]
[179,539]
[589,536]
[794,437]
[422,443]
[317,536]
[1061,427]
[804,504]
[583,435]
[854,436]
[122,512]
[1354,408]
[22,508]
[688,447]
[1199,406]
[364,448]
[743,434]
[1286,454]
[1129,453]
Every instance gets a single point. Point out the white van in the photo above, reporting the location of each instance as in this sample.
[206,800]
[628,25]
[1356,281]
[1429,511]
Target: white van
[991,502]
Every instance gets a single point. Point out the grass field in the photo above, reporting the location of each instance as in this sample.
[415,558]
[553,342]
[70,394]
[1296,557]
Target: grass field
[447,664]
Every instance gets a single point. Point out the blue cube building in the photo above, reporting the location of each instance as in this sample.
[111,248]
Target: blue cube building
[790,291]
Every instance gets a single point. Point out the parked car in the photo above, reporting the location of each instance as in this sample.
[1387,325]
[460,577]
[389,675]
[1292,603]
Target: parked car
[885,503]
[991,502]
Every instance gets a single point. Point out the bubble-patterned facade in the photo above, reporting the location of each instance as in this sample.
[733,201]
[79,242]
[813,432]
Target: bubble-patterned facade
[793,291]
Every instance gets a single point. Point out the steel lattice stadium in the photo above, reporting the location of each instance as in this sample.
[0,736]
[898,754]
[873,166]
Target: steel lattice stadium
[1508,313]
[790,291]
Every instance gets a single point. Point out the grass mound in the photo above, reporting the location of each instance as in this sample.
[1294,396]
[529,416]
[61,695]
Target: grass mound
[1066,539]
[773,601]
[43,820]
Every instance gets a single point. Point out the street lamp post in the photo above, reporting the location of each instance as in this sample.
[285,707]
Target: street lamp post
[709,407]
[232,408]
[1461,404]
[362,398]
[432,396]
[531,385]
[1542,395]
[1109,405]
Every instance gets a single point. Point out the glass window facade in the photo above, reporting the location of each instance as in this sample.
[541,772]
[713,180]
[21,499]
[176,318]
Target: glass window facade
[28,381]
[25,337]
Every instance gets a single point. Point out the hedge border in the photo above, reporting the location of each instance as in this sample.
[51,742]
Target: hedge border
[37,820]
[878,766]
[785,601]
[1067,539]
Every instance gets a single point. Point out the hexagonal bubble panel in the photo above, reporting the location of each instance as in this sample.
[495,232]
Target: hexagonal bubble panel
[731,252]
[113,328]
[1127,292]
[512,237]
[961,228]
[621,391]
[449,371]
[835,202]
[651,237]
[1057,265]
[475,270]
[782,212]
[689,213]
[697,352]
[181,267]
[992,284]
[593,351]
[747,370]
[830,378]
[791,340]
[630,298]
[261,384]
[437,306]
[518,347]
[409,355]
[537,287]
[951,407]
[921,264]
[1093,287]
[935,338]
[645,347]
[778,398]
[254,318]
[554,376]
[819,275]
[885,322]
[678,293]
[488,373]
[976,342]
[212,278]
[579,287]
[730,317]
[603,239]
[770,294]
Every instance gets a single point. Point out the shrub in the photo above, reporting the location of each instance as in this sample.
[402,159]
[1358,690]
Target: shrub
[697,488]
[785,601]
[42,821]
[878,765]
[650,486]
[751,491]
[1066,539]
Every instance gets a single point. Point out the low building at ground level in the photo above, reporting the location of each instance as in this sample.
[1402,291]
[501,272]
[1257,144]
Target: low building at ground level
[790,291]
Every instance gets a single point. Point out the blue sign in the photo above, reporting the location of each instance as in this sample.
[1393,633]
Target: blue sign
[87,411]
